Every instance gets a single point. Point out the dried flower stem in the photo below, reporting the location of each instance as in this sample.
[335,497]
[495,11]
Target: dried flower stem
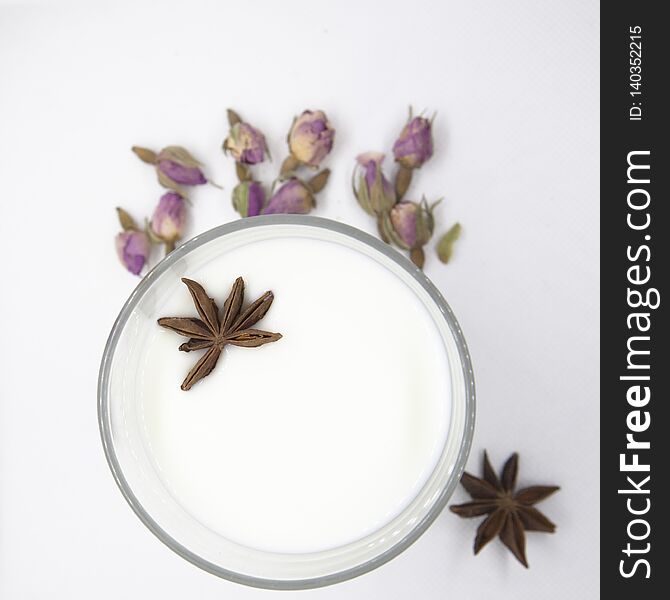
[403,179]
[418,257]
[243,173]
[289,165]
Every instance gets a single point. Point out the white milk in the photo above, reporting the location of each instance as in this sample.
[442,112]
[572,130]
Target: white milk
[320,438]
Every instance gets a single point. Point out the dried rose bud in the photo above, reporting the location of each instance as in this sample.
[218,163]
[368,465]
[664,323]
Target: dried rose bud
[175,163]
[409,225]
[133,248]
[293,197]
[174,166]
[374,192]
[414,146]
[248,198]
[167,222]
[246,144]
[311,138]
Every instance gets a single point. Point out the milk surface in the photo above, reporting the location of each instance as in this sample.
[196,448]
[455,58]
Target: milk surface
[313,441]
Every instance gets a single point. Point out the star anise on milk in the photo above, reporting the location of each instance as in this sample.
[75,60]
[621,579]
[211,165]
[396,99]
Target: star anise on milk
[214,330]
[510,513]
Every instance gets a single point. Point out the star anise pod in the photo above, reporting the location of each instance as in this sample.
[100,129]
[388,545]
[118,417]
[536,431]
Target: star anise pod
[510,513]
[212,331]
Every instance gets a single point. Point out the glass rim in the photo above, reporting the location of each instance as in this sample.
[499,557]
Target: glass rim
[389,252]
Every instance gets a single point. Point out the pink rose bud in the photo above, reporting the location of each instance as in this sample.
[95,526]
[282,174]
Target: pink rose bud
[414,146]
[175,166]
[167,222]
[246,144]
[374,192]
[410,224]
[133,248]
[311,138]
[291,198]
[181,174]
[248,198]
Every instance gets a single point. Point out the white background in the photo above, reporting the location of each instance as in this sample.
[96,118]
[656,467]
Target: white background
[515,85]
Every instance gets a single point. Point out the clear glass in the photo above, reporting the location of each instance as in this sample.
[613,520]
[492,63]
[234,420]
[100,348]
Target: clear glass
[132,467]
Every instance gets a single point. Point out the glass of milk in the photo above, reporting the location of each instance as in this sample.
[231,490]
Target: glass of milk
[304,462]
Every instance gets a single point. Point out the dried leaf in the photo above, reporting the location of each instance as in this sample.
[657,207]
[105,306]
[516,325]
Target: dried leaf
[445,247]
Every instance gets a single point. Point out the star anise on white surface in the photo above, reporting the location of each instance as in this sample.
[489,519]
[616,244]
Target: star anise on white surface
[214,330]
[510,513]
